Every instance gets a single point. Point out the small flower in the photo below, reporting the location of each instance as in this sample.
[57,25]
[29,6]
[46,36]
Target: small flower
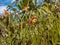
[25,8]
[16,14]
[33,20]
[7,13]
[56,7]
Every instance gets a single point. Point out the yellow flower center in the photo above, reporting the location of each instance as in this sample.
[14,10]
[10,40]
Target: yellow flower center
[34,20]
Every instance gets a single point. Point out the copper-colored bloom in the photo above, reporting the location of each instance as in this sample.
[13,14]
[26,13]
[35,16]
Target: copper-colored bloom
[25,8]
[7,13]
[33,20]
[56,7]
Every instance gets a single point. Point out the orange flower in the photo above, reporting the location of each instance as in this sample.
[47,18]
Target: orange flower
[6,13]
[25,8]
[56,7]
[16,14]
[33,20]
